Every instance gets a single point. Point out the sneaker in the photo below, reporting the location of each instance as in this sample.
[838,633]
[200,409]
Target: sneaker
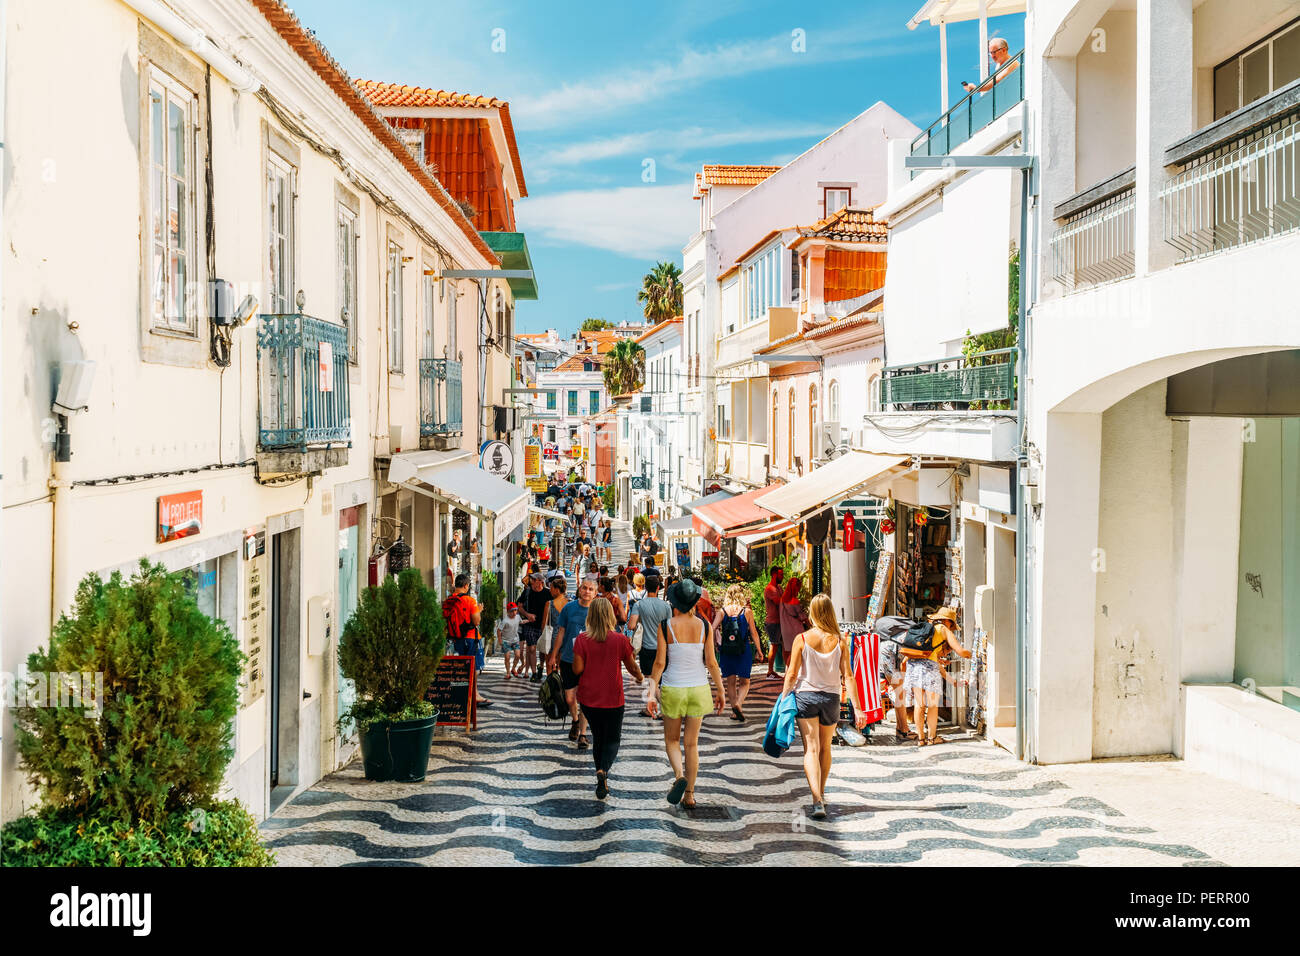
[819,811]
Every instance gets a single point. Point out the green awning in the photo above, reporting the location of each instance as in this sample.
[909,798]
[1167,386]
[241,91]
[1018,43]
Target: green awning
[513,250]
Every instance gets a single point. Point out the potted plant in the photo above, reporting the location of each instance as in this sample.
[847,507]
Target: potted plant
[390,649]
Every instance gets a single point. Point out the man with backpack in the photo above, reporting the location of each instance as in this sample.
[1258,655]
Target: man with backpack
[648,616]
[571,623]
[927,647]
[772,617]
[462,614]
[738,643]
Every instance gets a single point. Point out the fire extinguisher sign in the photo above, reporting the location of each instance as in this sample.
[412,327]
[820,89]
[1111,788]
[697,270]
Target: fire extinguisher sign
[326,367]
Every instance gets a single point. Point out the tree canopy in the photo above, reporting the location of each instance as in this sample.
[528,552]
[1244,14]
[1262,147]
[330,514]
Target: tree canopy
[661,292]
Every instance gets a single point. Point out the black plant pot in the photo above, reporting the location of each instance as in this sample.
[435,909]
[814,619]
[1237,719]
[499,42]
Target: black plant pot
[398,751]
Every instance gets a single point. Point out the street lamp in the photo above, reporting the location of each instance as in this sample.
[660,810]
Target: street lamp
[1027,166]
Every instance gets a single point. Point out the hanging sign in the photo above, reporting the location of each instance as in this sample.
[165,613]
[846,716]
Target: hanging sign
[326,367]
[180,515]
[256,613]
[532,460]
[497,459]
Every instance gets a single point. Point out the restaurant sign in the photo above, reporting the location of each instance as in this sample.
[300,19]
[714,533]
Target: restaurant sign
[180,515]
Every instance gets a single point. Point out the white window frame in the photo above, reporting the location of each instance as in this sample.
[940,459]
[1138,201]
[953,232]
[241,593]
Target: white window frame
[826,196]
[428,323]
[394,277]
[280,298]
[413,140]
[161,247]
[348,245]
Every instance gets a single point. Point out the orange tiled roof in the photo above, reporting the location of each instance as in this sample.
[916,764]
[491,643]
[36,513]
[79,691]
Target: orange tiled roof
[312,52]
[655,328]
[719,175]
[400,95]
[849,225]
[850,273]
[574,362]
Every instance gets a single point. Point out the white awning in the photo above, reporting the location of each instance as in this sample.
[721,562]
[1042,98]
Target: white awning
[829,484]
[676,525]
[459,482]
[955,11]
[547,513]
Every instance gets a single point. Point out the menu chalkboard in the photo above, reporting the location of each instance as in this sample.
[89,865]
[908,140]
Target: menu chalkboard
[452,692]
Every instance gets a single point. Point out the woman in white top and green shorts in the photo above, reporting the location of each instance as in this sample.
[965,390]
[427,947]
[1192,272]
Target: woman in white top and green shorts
[684,662]
[818,674]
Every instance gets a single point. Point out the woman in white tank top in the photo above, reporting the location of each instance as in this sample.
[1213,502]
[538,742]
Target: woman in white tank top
[684,662]
[818,676]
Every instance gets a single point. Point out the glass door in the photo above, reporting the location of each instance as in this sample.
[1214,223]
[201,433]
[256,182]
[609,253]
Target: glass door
[349,578]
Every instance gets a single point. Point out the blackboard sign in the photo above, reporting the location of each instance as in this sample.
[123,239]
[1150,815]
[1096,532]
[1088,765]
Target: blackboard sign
[452,692]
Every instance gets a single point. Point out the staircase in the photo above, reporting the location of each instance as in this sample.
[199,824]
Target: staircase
[620,547]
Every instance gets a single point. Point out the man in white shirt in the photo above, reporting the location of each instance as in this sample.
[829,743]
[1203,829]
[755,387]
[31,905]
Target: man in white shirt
[507,632]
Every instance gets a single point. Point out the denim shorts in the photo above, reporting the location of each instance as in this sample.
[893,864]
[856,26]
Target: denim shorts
[823,705]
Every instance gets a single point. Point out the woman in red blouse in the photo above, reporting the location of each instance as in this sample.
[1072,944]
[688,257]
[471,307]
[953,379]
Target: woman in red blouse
[598,653]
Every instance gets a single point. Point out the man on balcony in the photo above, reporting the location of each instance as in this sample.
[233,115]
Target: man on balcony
[999,53]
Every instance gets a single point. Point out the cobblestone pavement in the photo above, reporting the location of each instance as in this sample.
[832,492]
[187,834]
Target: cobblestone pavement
[517,791]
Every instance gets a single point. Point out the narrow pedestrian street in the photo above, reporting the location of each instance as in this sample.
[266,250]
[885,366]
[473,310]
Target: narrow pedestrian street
[515,791]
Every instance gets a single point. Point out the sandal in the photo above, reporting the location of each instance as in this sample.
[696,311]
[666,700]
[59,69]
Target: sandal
[938,740]
[907,735]
[582,742]
[602,785]
[677,790]
[688,805]
[737,713]
[573,731]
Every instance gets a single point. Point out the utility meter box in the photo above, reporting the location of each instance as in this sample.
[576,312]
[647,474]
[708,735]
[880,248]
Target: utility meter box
[320,622]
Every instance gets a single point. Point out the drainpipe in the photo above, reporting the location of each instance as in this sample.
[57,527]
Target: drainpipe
[196,41]
[1023,738]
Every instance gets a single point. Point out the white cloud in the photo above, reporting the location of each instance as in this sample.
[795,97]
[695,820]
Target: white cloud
[694,66]
[615,286]
[637,221]
[661,142]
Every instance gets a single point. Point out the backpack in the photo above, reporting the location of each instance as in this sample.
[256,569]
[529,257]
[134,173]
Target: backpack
[458,621]
[735,634]
[551,697]
[921,639]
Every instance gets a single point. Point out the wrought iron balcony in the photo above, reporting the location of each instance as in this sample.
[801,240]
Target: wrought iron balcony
[303,399]
[1095,243]
[975,111]
[440,397]
[984,380]
[1242,191]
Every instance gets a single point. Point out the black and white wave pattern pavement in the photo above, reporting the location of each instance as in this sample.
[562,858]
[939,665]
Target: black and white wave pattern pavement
[516,791]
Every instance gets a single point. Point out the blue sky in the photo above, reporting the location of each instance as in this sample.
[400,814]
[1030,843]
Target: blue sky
[596,90]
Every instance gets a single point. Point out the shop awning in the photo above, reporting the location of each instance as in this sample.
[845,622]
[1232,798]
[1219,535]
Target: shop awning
[461,483]
[745,541]
[828,485]
[676,525]
[732,516]
[547,513]
[706,500]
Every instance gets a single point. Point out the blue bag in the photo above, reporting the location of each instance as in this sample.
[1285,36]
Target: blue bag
[780,727]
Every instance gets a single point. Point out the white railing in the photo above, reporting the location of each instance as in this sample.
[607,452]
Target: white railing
[1095,245]
[1243,192]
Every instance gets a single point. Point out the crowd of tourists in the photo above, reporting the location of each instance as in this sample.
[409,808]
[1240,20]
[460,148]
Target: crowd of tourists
[690,658]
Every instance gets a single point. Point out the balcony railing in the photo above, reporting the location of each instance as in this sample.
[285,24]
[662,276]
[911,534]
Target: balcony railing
[975,111]
[1241,192]
[1095,245]
[302,367]
[440,397]
[984,379]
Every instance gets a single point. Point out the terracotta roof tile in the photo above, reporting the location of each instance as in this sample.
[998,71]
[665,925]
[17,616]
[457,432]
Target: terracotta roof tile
[574,363]
[849,225]
[400,95]
[312,52]
[719,175]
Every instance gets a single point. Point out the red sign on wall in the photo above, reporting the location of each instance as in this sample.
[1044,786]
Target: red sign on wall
[180,516]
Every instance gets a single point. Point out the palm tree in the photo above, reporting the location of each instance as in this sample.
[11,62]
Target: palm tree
[661,292]
[624,369]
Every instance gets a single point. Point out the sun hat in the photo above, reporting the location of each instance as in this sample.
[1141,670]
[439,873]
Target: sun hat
[683,594]
[944,614]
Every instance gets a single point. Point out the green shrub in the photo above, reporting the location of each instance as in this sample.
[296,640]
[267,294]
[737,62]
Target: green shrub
[390,649]
[607,496]
[170,693]
[640,526]
[222,834]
